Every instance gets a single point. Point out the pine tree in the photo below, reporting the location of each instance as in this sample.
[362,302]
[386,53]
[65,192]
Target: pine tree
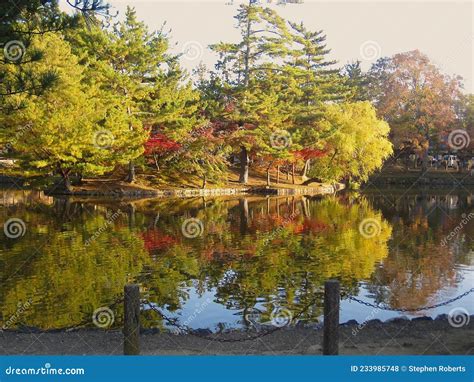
[357,81]
[21,21]
[284,62]
[134,67]
[312,82]
[243,69]
[72,127]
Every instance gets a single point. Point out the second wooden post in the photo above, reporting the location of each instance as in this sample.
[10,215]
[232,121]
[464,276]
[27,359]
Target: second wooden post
[131,325]
[331,317]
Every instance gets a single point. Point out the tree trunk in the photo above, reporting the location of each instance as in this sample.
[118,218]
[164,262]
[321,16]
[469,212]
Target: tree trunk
[131,172]
[268,175]
[65,181]
[244,215]
[131,216]
[305,170]
[305,207]
[204,182]
[131,167]
[155,157]
[424,165]
[424,159]
[278,174]
[247,50]
[244,165]
[293,173]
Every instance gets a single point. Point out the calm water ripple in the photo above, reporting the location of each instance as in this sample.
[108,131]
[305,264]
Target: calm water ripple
[233,262]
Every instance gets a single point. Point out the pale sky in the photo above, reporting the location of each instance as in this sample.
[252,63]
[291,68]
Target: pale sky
[363,30]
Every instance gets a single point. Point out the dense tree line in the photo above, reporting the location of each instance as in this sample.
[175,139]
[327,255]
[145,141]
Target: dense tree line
[425,108]
[88,96]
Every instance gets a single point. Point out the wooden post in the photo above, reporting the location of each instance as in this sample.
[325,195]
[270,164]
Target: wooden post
[331,317]
[131,325]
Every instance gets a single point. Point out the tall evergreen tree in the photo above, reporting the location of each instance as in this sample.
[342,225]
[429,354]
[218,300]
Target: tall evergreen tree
[243,69]
[72,127]
[357,81]
[283,59]
[20,22]
[134,66]
[313,81]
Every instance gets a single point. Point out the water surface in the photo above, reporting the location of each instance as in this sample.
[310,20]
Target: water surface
[223,263]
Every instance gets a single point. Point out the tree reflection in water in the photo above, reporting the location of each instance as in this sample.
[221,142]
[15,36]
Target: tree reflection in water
[253,254]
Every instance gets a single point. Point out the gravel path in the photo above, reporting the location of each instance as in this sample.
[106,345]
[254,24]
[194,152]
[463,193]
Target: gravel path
[396,337]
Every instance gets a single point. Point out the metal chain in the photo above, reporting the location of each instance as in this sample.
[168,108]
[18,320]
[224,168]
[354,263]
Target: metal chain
[210,337]
[384,307]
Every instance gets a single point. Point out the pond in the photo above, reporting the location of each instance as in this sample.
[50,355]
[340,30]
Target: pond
[234,262]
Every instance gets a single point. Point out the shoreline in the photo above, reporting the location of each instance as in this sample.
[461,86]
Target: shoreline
[122,190]
[429,179]
[393,337]
[191,192]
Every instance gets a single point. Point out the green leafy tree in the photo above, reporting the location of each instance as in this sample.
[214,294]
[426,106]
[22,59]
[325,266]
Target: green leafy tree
[358,146]
[133,66]
[22,20]
[278,79]
[72,127]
